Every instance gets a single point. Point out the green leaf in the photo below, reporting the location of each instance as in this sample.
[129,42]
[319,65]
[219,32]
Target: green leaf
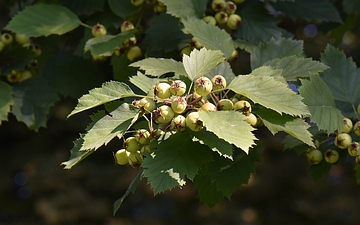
[270,93]
[207,190]
[294,67]
[106,126]
[229,126]
[84,7]
[220,146]
[43,20]
[208,35]
[110,91]
[351,6]
[257,25]
[131,189]
[105,45]
[175,159]
[271,72]
[275,49]
[143,82]
[157,67]
[296,127]
[122,9]
[33,99]
[320,10]
[14,58]
[184,8]
[224,69]
[343,78]
[245,45]
[201,62]
[317,172]
[76,155]
[292,143]
[318,97]
[121,69]
[6,100]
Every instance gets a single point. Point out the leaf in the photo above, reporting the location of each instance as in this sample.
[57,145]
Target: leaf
[294,67]
[76,155]
[271,72]
[143,82]
[208,35]
[14,58]
[351,6]
[266,91]
[229,126]
[321,10]
[105,45]
[43,20]
[245,45]
[224,69]
[84,7]
[296,127]
[275,49]
[106,126]
[343,78]
[110,91]
[318,97]
[207,191]
[131,189]
[175,159]
[257,25]
[185,8]
[33,99]
[295,144]
[317,172]
[121,69]
[220,146]
[122,9]
[157,67]
[164,34]
[201,62]
[6,100]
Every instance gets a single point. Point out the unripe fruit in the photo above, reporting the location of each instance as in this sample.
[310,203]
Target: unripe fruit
[163,114]
[185,51]
[242,106]
[159,7]
[129,42]
[208,107]
[331,156]
[342,140]
[126,25]
[198,100]
[146,104]
[122,157]
[131,144]
[230,7]
[134,53]
[210,19]
[314,157]
[357,128]
[178,105]
[135,159]
[178,123]
[178,87]
[33,47]
[203,86]
[25,75]
[251,119]
[348,125]
[195,44]
[233,56]
[22,39]
[13,77]
[192,121]
[218,82]
[218,5]
[233,22]
[225,104]
[2,45]
[7,39]
[98,30]
[221,17]
[162,90]
[145,148]
[142,136]
[353,148]
[137,2]
[99,58]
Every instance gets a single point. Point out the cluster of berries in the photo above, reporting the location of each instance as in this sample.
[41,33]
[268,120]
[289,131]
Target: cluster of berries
[158,6]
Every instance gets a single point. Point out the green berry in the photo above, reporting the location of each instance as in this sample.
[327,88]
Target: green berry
[178,123]
[6,39]
[242,106]
[98,30]
[218,82]
[331,156]
[163,114]
[225,104]
[137,2]
[342,140]
[208,107]
[135,159]
[218,5]
[134,53]
[131,144]
[233,22]
[353,148]
[221,17]
[314,157]
[146,104]
[142,136]
[22,39]
[162,90]
[210,20]
[348,125]
[203,86]
[122,157]
[193,123]
[230,7]
[357,128]
[251,119]
[126,25]
[178,105]
[178,87]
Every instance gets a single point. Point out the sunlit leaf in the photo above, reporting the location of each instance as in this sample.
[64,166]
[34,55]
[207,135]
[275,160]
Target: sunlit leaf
[159,66]
[143,82]
[185,8]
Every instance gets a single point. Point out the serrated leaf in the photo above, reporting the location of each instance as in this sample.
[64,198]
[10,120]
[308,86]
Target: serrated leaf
[220,146]
[131,189]
[295,144]
[320,10]
[143,82]
[275,49]
[14,58]
[175,159]
[257,25]
[294,67]
[76,155]
[160,66]
[121,69]
[318,97]
[229,126]
[351,6]
[6,100]
[245,45]
[272,94]
[122,9]
[207,190]
[317,172]
[105,45]
[106,126]
[110,91]
[343,78]
[296,127]
[33,99]
[185,8]
[208,35]
[224,69]
[271,72]
[43,20]
[202,61]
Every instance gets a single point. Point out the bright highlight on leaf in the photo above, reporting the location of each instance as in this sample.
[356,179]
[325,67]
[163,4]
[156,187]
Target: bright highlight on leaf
[185,8]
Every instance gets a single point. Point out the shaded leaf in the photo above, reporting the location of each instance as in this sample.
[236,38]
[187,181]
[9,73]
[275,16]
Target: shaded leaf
[245,45]
[185,8]
[224,69]
[351,6]
[84,7]
[122,9]
[121,69]
[207,190]
[160,66]
[317,172]
[76,155]
[14,58]
[6,100]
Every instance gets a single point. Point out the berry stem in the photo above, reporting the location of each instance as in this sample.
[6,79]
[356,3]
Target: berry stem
[85,25]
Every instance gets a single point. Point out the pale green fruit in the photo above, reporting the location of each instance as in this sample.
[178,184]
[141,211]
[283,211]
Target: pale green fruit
[218,5]
[357,128]
[225,104]
[135,159]
[230,7]
[162,90]
[331,156]
[342,140]
[208,107]
[178,105]
[131,144]
[146,104]
[192,121]
[218,82]
[126,25]
[178,87]
[25,75]
[348,125]
[134,53]
[163,114]
[221,17]
[122,157]
[6,39]
[233,22]
[178,123]
[203,86]
[185,51]
[22,39]
[159,7]
[98,30]
[210,20]
[142,136]
[233,56]
[251,119]
[242,106]
[353,148]
[315,157]
[137,2]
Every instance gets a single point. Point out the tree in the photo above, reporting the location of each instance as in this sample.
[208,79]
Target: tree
[167,79]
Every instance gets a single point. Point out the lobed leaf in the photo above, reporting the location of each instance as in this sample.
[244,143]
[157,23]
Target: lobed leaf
[143,82]
[245,45]
[160,66]
[184,8]
[277,74]
[6,100]
[120,68]
[43,20]
[76,155]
